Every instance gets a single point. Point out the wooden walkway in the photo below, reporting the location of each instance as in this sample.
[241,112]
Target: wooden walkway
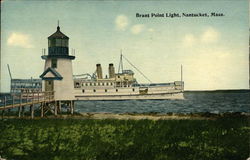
[27,99]
[23,99]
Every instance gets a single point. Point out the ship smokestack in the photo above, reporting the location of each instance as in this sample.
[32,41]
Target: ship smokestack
[99,71]
[111,71]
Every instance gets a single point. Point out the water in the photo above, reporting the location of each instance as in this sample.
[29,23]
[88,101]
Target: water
[195,102]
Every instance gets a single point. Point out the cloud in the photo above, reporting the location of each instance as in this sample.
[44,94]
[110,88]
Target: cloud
[138,28]
[189,40]
[210,35]
[121,22]
[19,40]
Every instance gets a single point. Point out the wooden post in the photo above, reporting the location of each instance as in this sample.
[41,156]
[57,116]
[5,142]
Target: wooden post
[13,101]
[55,107]
[32,111]
[42,109]
[4,106]
[33,97]
[60,106]
[4,101]
[71,107]
[19,112]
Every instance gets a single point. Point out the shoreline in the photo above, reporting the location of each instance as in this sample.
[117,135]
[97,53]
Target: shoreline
[138,116]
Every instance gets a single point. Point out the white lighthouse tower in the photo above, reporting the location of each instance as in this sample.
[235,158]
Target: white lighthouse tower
[58,74]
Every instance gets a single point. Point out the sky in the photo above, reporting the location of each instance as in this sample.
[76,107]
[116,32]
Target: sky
[214,51]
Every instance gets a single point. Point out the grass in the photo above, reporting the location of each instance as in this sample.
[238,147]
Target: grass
[225,138]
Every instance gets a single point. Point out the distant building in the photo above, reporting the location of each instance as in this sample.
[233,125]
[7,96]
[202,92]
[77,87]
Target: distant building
[25,85]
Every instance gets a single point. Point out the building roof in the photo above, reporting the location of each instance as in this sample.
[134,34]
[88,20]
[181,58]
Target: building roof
[58,34]
[51,74]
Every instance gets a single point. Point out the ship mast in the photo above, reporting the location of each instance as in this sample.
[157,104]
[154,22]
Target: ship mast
[120,64]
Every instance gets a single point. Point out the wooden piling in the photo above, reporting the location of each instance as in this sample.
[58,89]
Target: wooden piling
[4,106]
[59,106]
[32,111]
[13,100]
[55,108]
[71,107]
[42,109]
[22,111]
[19,112]
[32,99]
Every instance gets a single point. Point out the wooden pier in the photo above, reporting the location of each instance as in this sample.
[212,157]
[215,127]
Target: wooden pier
[43,101]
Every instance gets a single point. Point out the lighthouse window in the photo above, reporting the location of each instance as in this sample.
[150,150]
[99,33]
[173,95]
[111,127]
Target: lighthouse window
[58,42]
[83,91]
[64,43]
[52,42]
[116,90]
[106,90]
[133,89]
[94,90]
[54,63]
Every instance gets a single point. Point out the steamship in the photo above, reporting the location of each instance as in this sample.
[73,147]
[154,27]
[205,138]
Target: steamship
[57,78]
[122,86]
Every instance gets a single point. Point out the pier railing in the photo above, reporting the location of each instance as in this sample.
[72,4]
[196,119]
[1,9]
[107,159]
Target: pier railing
[25,98]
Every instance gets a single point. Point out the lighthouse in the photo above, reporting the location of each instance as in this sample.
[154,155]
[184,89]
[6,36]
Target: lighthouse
[58,72]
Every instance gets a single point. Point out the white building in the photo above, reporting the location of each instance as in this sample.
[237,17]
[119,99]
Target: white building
[58,73]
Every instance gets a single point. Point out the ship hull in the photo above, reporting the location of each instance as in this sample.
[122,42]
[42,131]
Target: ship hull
[171,96]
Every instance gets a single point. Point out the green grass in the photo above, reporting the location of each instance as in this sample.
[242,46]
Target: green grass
[220,139]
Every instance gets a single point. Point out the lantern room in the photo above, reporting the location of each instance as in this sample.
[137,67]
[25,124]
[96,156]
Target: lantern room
[58,44]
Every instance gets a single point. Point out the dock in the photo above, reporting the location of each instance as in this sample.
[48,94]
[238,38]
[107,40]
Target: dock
[43,101]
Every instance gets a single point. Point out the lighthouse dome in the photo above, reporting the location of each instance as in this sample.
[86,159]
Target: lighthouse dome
[58,35]
[58,44]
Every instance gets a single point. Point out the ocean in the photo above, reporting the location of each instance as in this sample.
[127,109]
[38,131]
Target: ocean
[194,102]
